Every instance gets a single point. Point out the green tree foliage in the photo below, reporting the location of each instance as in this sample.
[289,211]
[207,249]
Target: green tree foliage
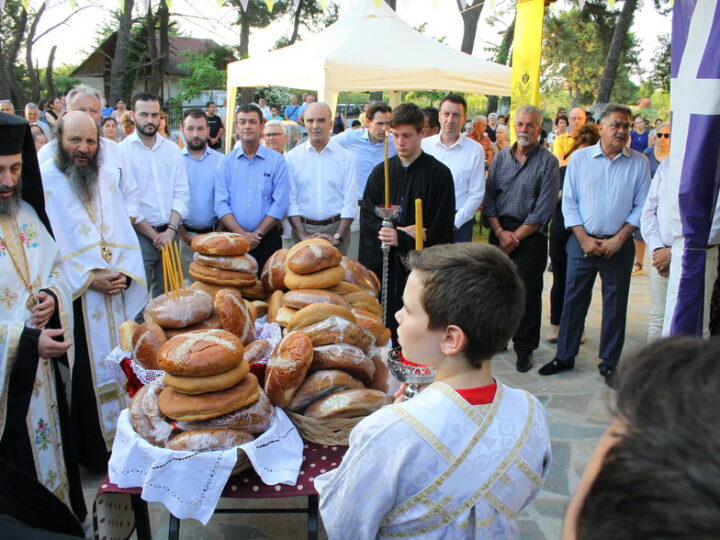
[309,15]
[203,74]
[659,78]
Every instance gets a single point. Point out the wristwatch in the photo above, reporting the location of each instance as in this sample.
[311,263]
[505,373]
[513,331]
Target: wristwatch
[257,231]
[337,236]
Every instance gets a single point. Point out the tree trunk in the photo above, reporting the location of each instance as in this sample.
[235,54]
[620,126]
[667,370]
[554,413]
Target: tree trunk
[247,95]
[49,83]
[32,72]
[164,57]
[10,56]
[613,56]
[154,81]
[118,68]
[502,57]
[244,34]
[470,16]
[296,22]
[392,4]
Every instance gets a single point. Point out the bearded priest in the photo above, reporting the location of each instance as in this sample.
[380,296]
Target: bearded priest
[35,327]
[103,266]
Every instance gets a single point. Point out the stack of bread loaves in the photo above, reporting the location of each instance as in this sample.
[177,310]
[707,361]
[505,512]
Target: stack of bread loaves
[208,391]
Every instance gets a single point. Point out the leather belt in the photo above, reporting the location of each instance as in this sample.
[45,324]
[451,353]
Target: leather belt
[204,230]
[161,228]
[600,236]
[328,221]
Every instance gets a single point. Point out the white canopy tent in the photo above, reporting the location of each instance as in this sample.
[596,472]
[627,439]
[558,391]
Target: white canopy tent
[370,48]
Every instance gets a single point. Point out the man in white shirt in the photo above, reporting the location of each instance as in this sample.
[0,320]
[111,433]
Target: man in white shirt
[160,165]
[88,100]
[466,160]
[264,108]
[32,115]
[323,184]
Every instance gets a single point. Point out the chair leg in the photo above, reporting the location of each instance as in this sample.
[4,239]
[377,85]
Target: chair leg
[142,518]
[312,517]
[174,528]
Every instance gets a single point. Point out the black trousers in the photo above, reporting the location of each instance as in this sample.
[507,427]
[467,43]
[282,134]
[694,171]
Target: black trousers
[530,259]
[271,242]
[558,259]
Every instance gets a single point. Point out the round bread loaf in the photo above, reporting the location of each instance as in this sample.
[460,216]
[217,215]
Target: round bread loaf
[321,384]
[253,418]
[212,289]
[348,404]
[127,329]
[261,308]
[145,416]
[252,310]
[357,274]
[234,315]
[301,298]
[312,255]
[284,315]
[318,312]
[287,367]
[338,330]
[179,310]
[205,440]
[345,357]
[238,263]
[256,291]
[274,306]
[373,324]
[220,243]
[200,353]
[179,406]
[209,383]
[364,301]
[273,274]
[217,276]
[344,288]
[317,280]
[381,377]
[258,351]
[212,322]
[146,342]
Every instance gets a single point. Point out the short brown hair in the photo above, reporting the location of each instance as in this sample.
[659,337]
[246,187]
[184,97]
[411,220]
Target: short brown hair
[475,287]
[378,107]
[454,98]
[408,113]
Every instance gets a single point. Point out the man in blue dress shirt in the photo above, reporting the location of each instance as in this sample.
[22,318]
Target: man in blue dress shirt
[252,187]
[603,196]
[201,163]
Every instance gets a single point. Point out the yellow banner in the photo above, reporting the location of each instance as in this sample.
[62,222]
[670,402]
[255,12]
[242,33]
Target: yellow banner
[527,46]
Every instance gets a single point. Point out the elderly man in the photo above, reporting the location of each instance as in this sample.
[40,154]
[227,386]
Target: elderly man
[564,142]
[309,100]
[32,115]
[323,185]
[201,164]
[252,188]
[603,195]
[103,266]
[480,136]
[161,166]
[519,199]
[464,158]
[6,106]
[492,126]
[87,99]
[274,136]
[35,325]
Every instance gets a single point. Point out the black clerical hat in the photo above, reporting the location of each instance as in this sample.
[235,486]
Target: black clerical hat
[16,138]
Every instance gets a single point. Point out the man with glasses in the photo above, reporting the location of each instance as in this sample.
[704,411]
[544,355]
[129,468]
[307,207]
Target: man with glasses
[274,136]
[603,195]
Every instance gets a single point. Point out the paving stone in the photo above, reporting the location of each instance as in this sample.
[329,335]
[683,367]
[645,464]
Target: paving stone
[557,481]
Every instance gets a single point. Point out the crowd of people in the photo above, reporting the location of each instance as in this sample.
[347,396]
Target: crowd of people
[90,196]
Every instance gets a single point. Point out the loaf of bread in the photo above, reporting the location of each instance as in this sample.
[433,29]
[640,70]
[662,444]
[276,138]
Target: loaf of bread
[127,329]
[217,276]
[258,351]
[338,330]
[364,301]
[273,274]
[256,291]
[238,263]
[373,324]
[322,279]
[208,383]
[348,404]
[318,312]
[345,357]
[212,289]
[274,306]
[344,288]
[234,315]
[381,377]
[220,243]
[287,367]
[357,274]
[321,384]
[261,307]
[301,298]
[253,418]
[312,255]
[181,309]
[145,416]
[284,315]
[211,323]
[252,310]
[179,406]
[205,440]
[146,342]
[201,353]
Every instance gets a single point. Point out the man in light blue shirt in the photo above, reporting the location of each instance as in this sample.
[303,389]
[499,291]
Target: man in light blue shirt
[368,145]
[603,196]
[252,187]
[201,164]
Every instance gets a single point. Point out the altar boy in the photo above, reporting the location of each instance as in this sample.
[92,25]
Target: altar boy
[467,454]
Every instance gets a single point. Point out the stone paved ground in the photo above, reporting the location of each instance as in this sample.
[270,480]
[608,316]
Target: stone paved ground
[577,406]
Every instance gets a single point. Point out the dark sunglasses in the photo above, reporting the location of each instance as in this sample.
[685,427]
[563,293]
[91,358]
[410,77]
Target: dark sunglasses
[661,135]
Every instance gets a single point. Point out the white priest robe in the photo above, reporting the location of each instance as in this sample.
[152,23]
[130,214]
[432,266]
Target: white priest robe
[437,467]
[43,259]
[86,237]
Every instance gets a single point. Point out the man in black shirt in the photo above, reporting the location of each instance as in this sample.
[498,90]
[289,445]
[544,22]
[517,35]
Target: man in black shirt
[215,126]
[413,175]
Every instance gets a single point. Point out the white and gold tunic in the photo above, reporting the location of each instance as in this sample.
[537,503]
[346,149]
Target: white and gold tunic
[437,467]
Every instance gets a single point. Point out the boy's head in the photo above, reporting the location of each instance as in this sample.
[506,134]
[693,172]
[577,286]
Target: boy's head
[467,292]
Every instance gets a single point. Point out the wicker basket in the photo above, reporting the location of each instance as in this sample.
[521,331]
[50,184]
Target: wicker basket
[329,431]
